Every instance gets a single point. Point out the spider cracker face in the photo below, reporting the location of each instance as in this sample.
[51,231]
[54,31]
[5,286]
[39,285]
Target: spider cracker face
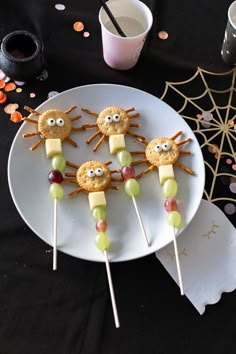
[162,151]
[93,176]
[54,124]
[113,120]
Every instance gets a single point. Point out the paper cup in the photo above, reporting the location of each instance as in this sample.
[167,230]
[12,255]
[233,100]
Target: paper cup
[135,20]
[228,51]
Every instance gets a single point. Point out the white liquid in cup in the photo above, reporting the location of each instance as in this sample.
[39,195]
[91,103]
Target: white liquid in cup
[129,26]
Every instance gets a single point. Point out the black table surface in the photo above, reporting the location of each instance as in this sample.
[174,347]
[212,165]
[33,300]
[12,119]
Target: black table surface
[69,311]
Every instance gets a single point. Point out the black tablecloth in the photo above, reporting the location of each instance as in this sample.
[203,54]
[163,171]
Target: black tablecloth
[69,311]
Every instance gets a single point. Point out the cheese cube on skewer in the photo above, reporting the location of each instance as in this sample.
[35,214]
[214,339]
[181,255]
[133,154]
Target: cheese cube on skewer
[96,199]
[165,172]
[53,147]
[116,143]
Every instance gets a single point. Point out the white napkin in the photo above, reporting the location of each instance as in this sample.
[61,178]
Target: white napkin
[207,253]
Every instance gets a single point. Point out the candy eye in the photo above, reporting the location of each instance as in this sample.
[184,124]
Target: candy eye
[166,146]
[108,119]
[99,172]
[51,122]
[158,148]
[116,118]
[91,173]
[60,122]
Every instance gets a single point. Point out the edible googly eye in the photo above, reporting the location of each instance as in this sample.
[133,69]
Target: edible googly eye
[116,118]
[99,172]
[108,119]
[166,146]
[60,122]
[91,173]
[51,122]
[158,148]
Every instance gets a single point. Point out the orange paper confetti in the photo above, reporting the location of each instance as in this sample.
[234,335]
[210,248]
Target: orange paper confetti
[10,86]
[3,97]
[78,26]
[2,84]
[16,117]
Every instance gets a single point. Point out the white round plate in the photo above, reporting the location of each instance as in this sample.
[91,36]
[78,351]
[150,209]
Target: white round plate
[28,172]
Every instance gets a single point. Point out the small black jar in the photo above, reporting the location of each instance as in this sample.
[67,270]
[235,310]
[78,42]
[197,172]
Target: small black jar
[21,56]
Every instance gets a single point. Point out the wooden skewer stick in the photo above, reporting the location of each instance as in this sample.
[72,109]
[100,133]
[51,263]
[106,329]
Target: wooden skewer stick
[140,221]
[55,235]
[113,300]
[178,263]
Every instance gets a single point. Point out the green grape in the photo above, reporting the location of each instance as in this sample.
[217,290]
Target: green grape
[124,157]
[170,188]
[174,218]
[56,191]
[132,187]
[58,162]
[102,241]
[99,213]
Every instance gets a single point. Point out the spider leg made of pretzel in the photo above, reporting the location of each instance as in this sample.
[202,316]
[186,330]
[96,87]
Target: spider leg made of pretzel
[131,109]
[186,152]
[81,129]
[142,138]
[75,117]
[72,108]
[69,180]
[135,115]
[39,143]
[30,120]
[134,125]
[76,191]
[99,142]
[31,110]
[148,169]
[139,162]
[71,164]
[137,153]
[117,180]
[90,112]
[113,187]
[88,141]
[29,135]
[183,142]
[89,125]
[185,168]
[71,141]
[176,135]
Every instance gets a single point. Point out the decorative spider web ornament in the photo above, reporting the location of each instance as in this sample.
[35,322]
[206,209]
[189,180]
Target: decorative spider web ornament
[207,102]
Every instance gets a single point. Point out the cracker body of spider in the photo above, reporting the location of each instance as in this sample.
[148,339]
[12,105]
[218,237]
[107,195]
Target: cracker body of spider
[163,151]
[52,124]
[92,176]
[110,121]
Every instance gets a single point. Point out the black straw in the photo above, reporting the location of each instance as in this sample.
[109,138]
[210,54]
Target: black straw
[112,18]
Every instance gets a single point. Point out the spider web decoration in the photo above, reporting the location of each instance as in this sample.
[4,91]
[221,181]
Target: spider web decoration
[207,102]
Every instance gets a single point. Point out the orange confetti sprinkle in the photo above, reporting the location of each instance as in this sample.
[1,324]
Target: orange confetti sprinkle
[2,83]
[3,97]
[231,122]
[78,26]
[16,117]
[10,86]
[19,90]
[11,108]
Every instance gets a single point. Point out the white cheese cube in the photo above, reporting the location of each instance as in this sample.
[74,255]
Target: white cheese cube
[53,147]
[165,172]
[116,143]
[96,199]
